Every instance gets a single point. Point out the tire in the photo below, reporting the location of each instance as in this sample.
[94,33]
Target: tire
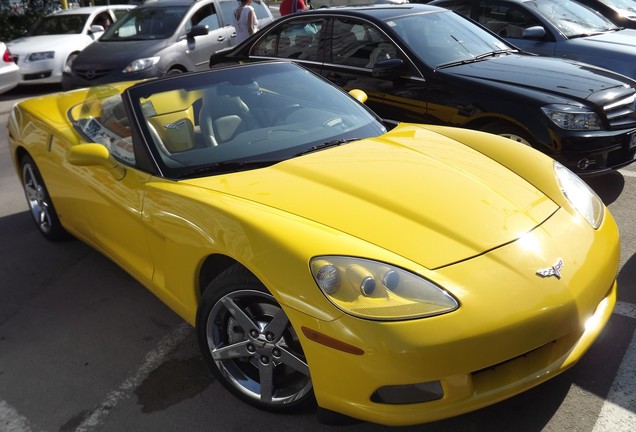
[174,72]
[40,203]
[509,131]
[250,346]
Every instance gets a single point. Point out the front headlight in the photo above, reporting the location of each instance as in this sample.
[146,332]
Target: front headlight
[572,117]
[580,195]
[379,291]
[141,64]
[37,56]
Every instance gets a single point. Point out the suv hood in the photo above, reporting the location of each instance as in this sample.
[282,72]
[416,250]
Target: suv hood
[118,54]
[412,191]
[548,75]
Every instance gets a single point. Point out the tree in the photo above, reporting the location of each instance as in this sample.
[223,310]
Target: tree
[17,16]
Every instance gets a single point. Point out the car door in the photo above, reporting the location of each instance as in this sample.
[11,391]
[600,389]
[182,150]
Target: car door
[352,48]
[219,36]
[110,200]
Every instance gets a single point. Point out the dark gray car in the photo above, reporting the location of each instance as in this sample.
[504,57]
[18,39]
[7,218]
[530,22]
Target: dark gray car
[555,28]
[157,39]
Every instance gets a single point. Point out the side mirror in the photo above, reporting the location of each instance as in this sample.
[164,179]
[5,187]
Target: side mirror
[96,29]
[359,95]
[391,68]
[94,154]
[535,32]
[197,30]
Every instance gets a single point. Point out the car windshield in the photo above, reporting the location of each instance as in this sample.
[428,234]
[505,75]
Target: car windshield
[59,24]
[571,18]
[228,119]
[626,7]
[146,23]
[445,38]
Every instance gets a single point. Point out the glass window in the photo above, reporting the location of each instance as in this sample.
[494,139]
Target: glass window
[102,119]
[507,20]
[298,40]
[205,16]
[359,44]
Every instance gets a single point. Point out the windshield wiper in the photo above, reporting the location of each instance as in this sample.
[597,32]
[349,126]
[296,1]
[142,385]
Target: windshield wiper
[494,53]
[225,167]
[476,58]
[332,143]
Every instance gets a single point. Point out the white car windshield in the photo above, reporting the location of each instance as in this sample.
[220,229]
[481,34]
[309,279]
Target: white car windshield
[59,24]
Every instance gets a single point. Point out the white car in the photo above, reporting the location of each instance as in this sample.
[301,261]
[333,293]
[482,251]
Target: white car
[57,38]
[317,4]
[9,71]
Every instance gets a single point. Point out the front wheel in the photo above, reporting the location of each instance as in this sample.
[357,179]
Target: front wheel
[249,344]
[509,131]
[40,203]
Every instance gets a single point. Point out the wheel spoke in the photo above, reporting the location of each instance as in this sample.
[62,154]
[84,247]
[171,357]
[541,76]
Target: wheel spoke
[293,361]
[244,321]
[237,350]
[277,325]
[266,378]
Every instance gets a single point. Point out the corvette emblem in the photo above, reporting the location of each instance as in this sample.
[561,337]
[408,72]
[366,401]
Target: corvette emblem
[555,270]
[176,125]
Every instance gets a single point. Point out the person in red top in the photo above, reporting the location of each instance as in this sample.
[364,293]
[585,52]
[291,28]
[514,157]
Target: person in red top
[291,6]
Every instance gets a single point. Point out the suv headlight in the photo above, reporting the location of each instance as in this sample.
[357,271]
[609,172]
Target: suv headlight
[141,64]
[37,56]
[375,290]
[580,195]
[572,117]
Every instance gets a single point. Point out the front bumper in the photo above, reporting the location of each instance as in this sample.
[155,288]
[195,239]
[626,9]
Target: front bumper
[595,152]
[513,330]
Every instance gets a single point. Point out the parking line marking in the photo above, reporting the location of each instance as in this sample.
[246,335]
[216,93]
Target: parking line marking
[12,421]
[152,360]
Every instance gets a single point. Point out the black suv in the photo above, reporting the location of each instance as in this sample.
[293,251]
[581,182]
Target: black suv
[424,64]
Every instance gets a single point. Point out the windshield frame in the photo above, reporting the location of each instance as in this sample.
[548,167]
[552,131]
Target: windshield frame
[256,147]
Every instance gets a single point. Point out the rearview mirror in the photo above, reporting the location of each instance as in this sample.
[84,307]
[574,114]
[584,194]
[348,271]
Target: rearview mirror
[535,32]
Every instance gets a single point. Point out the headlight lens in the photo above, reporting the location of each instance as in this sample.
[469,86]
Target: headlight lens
[379,291]
[572,117]
[141,64]
[37,56]
[580,195]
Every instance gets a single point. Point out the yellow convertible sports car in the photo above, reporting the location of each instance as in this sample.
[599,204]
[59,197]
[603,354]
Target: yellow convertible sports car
[397,274]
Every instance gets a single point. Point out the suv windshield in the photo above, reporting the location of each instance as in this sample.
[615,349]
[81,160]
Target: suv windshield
[146,23]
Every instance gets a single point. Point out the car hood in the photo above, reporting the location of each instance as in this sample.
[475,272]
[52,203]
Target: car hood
[47,43]
[549,75]
[619,42]
[118,54]
[404,191]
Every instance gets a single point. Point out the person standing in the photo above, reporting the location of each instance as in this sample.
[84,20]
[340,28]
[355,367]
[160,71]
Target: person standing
[291,6]
[245,21]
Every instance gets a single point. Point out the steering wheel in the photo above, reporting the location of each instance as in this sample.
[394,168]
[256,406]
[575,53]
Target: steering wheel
[284,113]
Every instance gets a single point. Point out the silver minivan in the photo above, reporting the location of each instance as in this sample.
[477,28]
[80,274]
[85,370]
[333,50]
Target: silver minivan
[159,38]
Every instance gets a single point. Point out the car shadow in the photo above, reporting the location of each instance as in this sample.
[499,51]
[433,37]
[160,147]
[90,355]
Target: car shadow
[22,92]
[607,186]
